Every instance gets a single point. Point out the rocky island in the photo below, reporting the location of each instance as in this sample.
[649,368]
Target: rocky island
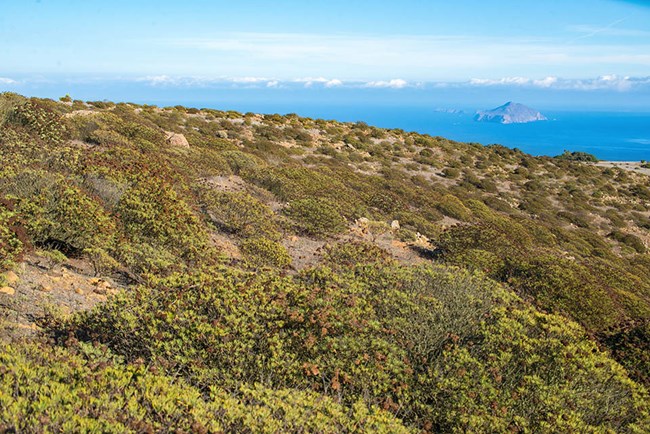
[510,113]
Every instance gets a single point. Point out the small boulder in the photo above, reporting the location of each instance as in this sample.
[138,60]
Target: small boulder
[176,139]
[11,278]
[394,225]
[8,290]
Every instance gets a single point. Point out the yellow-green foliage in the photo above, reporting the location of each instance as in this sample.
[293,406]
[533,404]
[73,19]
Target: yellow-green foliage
[10,244]
[424,342]
[451,206]
[152,212]
[262,251]
[256,346]
[73,217]
[36,117]
[561,284]
[533,372]
[45,389]
[241,214]
[350,254]
[57,211]
[316,217]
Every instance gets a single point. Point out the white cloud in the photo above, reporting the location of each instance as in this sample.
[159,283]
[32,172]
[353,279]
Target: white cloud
[499,81]
[604,82]
[514,81]
[5,80]
[395,83]
[334,83]
[545,82]
[249,80]
[166,80]
[311,81]
[610,82]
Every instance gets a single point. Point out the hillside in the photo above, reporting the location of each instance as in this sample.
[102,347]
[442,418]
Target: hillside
[213,271]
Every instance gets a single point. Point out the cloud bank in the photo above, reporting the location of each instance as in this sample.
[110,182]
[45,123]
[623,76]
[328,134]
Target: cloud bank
[611,82]
[605,82]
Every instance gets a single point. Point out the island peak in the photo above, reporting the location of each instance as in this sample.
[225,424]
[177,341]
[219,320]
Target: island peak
[510,113]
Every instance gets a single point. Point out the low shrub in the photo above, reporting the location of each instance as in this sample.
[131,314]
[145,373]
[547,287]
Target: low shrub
[315,217]
[265,252]
[451,206]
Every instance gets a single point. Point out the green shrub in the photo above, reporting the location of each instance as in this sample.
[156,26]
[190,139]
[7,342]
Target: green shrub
[349,254]
[60,213]
[152,212]
[241,214]
[451,206]
[316,217]
[577,156]
[448,350]
[563,285]
[45,389]
[630,240]
[10,244]
[40,120]
[265,252]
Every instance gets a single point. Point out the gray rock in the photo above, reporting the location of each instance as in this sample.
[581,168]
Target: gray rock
[510,113]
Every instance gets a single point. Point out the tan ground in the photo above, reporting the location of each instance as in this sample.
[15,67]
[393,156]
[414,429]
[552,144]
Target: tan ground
[42,288]
[627,165]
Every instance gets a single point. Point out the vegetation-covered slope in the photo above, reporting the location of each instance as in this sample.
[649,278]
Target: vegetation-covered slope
[287,274]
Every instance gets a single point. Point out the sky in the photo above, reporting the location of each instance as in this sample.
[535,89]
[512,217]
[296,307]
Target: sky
[150,49]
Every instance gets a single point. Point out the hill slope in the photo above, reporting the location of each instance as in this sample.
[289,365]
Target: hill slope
[285,273]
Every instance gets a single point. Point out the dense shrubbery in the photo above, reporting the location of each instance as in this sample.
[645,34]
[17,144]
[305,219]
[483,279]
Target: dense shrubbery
[577,156]
[315,217]
[88,389]
[256,345]
[241,214]
[429,342]
[265,252]
[11,245]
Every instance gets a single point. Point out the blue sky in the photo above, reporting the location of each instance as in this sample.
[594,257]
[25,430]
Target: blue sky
[575,45]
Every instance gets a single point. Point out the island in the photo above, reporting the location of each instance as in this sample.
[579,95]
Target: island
[510,113]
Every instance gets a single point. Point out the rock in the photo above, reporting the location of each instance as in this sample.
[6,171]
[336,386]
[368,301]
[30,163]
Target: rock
[363,221]
[510,113]
[102,287]
[79,291]
[11,278]
[44,288]
[8,290]
[394,225]
[176,139]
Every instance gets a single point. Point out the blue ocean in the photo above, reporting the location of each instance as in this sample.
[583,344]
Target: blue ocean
[615,136]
